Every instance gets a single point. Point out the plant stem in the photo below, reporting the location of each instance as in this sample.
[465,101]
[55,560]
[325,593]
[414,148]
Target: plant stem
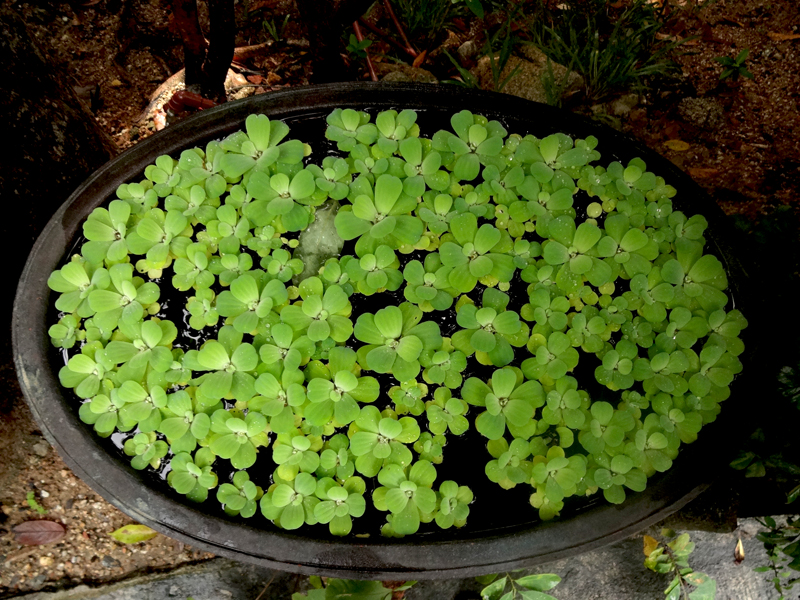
[385,35]
[360,38]
[410,48]
[194,44]
[513,586]
[265,587]
[681,581]
[222,39]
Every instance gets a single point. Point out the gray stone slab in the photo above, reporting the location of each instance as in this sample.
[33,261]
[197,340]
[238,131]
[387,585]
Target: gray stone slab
[218,579]
[615,572]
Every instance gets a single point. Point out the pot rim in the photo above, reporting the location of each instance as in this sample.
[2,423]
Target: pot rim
[464,555]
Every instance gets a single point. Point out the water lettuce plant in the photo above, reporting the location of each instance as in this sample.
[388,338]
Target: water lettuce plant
[313,327]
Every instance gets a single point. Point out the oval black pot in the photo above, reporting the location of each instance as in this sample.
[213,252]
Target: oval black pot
[441,555]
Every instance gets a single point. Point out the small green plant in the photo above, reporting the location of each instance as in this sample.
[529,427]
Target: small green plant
[467,80]
[351,589]
[782,543]
[428,17]
[734,67]
[761,455]
[274,29]
[609,52]
[518,586]
[356,48]
[672,556]
[499,47]
[475,6]
[554,88]
[31,500]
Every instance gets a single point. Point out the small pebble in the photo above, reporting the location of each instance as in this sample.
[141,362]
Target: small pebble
[110,562]
[174,590]
[41,448]
[46,561]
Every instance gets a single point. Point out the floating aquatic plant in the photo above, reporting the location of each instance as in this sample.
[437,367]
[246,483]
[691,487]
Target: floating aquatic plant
[358,313]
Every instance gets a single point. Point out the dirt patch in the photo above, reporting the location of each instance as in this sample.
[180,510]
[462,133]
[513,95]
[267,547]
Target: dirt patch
[87,554]
[743,136]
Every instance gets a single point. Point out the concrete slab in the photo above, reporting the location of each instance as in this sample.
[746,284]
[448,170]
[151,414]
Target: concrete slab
[612,573]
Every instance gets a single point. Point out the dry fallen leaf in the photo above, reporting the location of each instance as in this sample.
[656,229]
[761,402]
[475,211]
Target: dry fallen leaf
[729,21]
[419,59]
[650,544]
[133,534]
[36,533]
[702,172]
[668,37]
[677,145]
[738,553]
[780,37]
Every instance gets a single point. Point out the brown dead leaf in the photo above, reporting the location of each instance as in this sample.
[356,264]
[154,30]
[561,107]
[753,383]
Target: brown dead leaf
[677,145]
[420,59]
[36,533]
[255,79]
[677,38]
[781,37]
[461,24]
[650,544]
[738,553]
[729,21]
[707,34]
[702,173]
[671,129]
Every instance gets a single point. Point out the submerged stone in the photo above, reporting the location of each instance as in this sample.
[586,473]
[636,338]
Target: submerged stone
[319,241]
